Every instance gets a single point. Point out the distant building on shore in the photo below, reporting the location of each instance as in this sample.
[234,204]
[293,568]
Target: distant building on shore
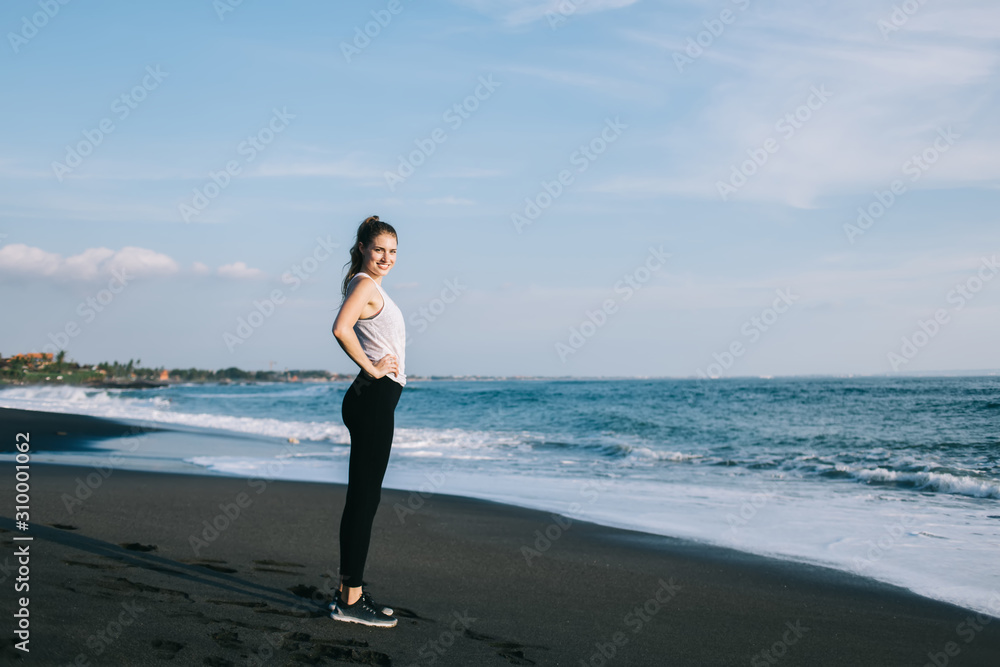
[31,357]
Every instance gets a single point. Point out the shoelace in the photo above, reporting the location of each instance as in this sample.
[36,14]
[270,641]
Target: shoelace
[367,606]
[367,602]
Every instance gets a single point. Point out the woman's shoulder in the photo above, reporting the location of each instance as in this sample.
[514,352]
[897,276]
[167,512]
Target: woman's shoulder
[368,288]
[360,277]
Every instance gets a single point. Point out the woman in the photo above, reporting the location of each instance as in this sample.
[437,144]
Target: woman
[371,330]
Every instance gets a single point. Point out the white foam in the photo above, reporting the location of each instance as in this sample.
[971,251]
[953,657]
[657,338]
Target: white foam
[111,404]
[943,550]
[932,481]
[645,453]
[940,543]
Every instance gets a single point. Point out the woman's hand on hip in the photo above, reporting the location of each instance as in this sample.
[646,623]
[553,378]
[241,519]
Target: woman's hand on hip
[385,365]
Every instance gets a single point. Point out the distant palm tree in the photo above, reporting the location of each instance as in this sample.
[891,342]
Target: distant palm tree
[59,359]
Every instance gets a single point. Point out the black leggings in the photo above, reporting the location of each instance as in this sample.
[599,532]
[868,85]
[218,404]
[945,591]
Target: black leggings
[367,410]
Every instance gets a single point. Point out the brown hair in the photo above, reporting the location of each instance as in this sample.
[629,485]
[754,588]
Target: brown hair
[368,231]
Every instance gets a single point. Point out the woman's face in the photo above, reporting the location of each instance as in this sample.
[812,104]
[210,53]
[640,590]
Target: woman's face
[380,255]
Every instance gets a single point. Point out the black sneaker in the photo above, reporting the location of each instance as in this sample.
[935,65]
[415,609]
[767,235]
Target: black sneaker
[361,612]
[367,596]
[385,610]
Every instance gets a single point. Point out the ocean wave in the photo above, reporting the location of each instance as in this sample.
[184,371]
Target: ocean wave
[66,398]
[931,481]
[646,453]
[109,403]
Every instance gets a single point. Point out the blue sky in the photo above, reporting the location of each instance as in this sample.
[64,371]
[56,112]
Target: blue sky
[603,187]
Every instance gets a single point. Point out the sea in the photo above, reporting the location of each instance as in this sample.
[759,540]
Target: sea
[892,478]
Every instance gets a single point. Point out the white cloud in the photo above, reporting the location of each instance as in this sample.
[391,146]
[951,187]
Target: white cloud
[521,12]
[239,271]
[142,262]
[889,97]
[88,264]
[200,269]
[450,200]
[604,85]
[345,168]
[91,264]
[471,172]
[18,258]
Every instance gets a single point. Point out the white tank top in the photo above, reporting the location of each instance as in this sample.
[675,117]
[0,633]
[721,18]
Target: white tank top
[384,333]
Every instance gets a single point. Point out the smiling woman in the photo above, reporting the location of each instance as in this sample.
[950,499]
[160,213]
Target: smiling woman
[371,330]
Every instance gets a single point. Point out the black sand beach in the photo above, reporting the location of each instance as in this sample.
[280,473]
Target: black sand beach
[135,573]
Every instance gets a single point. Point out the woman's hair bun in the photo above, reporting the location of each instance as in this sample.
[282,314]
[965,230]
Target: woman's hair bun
[370,229]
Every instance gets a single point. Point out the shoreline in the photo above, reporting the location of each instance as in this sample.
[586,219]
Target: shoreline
[78,433]
[239,570]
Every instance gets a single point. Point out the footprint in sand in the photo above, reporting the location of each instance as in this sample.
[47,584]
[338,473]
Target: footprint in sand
[124,584]
[214,661]
[93,566]
[277,563]
[239,603]
[217,568]
[227,638]
[214,565]
[304,591]
[275,566]
[512,652]
[166,649]
[275,570]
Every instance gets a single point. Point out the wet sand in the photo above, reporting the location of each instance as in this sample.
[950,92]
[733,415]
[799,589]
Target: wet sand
[145,568]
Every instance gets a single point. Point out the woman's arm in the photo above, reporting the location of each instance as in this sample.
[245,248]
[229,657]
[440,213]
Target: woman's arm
[359,294]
